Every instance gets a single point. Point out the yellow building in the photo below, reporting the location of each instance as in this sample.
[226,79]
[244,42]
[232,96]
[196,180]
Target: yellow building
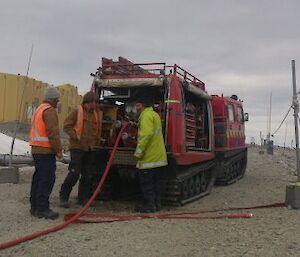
[69,99]
[19,91]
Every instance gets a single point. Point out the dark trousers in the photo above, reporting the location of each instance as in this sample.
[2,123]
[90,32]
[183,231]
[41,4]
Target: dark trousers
[43,181]
[81,165]
[149,183]
[99,161]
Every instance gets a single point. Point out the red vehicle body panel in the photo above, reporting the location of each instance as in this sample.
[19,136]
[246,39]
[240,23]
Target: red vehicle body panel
[229,124]
[176,137]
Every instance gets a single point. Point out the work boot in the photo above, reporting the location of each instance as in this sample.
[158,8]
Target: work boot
[48,214]
[64,203]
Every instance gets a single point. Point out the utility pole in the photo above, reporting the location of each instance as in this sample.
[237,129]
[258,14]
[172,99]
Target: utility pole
[296,118]
[292,199]
[261,151]
[269,142]
[269,119]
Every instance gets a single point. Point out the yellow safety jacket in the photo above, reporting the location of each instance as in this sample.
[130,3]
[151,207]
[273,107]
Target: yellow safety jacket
[150,150]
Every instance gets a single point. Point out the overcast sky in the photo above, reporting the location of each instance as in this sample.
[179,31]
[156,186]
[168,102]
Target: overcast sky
[235,47]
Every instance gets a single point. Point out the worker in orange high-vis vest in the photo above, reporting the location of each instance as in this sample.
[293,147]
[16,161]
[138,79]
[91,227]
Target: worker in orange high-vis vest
[83,126]
[45,146]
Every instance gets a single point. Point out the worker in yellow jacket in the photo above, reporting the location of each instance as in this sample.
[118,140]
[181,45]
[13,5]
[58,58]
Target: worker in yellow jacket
[151,154]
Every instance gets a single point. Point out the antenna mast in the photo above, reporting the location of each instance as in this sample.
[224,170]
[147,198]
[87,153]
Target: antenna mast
[269,120]
[20,108]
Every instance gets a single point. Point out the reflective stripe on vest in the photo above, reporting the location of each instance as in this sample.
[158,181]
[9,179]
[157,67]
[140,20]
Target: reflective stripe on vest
[157,131]
[38,134]
[150,165]
[79,123]
[138,151]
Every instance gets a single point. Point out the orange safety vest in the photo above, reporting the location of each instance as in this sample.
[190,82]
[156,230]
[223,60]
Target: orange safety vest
[38,134]
[79,124]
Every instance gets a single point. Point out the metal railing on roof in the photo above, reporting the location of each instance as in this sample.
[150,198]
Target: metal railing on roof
[124,67]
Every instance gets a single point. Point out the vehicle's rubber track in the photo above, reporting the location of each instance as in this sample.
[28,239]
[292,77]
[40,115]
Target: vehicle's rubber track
[190,184]
[231,169]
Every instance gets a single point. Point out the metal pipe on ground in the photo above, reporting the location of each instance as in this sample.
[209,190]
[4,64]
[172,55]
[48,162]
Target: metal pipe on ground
[15,159]
[24,159]
[9,166]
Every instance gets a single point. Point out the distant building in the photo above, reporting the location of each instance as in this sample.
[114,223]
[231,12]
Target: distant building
[11,90]
[69,99]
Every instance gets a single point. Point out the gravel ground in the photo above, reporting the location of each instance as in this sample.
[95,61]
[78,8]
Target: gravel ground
[270,232]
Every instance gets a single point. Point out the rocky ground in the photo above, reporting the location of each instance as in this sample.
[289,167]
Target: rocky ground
[270,232]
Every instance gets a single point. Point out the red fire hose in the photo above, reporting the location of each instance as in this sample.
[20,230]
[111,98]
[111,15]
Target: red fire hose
[98,217]
[80,213]
[86,217]
[90,217]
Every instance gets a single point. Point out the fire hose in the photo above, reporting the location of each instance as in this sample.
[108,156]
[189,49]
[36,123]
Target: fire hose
[81,211]
[86,217]
[98,217]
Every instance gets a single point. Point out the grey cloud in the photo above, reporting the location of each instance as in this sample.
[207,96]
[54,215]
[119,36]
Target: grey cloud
[236,47]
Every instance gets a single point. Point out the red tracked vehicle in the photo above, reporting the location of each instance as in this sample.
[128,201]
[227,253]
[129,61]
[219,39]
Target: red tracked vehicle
[188,126]
[230,147]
